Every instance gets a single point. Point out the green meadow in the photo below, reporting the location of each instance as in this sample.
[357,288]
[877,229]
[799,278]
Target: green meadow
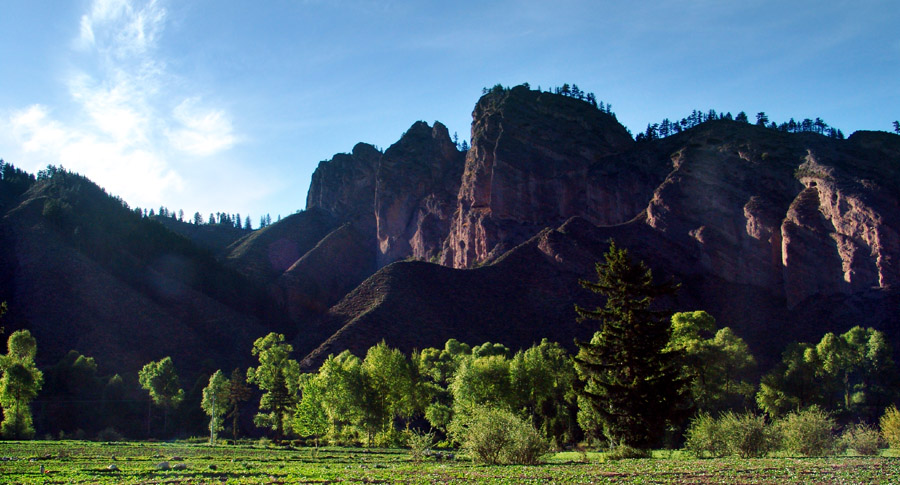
[185,463]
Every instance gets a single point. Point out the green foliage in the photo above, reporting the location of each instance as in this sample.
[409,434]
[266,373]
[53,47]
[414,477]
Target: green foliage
[86,462]
[792,385]
[718,364]
[238,392]
[161,381]
[419,444]
[863,439]
[853,374]
[310,418]
[388,389]
[278,377]
[341,379]
[542,379]
[3,310]
[494,436]
[482,380]
[808,432]
[632,385]
[705,437]
[71,388]
[215,403]
[748,435]
[19,385]
[625,452]
[744,435]
[890,427]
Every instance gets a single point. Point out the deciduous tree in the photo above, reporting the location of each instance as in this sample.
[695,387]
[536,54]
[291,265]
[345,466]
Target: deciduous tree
[160,380]
[19,385]
[215,403]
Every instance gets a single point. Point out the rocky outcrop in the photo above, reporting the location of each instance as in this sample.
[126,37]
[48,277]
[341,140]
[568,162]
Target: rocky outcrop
[536,160]
[415,193]
[840,235]
[345,186]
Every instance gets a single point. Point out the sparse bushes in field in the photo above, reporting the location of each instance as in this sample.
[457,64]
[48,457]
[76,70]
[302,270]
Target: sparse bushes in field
[862,439]
[808,432]
[497,436]
[890,427]
[745,435]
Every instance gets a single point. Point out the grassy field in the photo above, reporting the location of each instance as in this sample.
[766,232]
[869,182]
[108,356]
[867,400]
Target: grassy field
[87,462]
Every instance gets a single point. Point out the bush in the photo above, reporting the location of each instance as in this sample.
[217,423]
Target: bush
[419,444]
[705,437]
[527,444]
[747,434]
[109,434]
[890,427]
[808,432]
[863,439]
[497,436]
[625,452]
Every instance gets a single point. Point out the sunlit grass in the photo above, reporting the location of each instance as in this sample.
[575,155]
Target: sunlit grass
[87,462]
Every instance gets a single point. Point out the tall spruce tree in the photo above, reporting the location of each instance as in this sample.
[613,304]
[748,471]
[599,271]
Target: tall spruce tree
[632,386]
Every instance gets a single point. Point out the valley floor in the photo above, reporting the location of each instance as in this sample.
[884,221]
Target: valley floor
[88,462]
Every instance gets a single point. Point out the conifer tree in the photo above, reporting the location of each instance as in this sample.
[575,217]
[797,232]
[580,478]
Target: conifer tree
[631,385]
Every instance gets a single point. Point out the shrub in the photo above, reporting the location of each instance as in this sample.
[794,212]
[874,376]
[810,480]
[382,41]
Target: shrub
[808,432]
[625,452]
[419,444]
[890,427]
[863,439]
[747,434]
[527,444]
[705,437]
[497,436]
[109,434]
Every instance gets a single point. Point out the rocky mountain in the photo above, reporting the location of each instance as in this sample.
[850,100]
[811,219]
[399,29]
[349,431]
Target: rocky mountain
[782,236]
[774,233]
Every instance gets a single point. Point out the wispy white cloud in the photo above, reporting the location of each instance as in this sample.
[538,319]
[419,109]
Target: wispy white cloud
[127,122]
[203,131]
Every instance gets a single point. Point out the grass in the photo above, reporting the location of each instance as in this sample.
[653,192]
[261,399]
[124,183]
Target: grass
[87,462]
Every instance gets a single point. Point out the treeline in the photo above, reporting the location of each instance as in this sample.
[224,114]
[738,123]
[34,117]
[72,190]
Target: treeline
[572,91]
[373,400]
[669,127]
[18,181]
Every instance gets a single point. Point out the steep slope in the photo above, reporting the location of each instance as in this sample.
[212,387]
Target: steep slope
[327,272]
[214,237]
[86,273]
[266,253]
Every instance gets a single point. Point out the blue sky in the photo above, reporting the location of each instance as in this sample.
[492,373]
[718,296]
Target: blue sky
[229,106]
